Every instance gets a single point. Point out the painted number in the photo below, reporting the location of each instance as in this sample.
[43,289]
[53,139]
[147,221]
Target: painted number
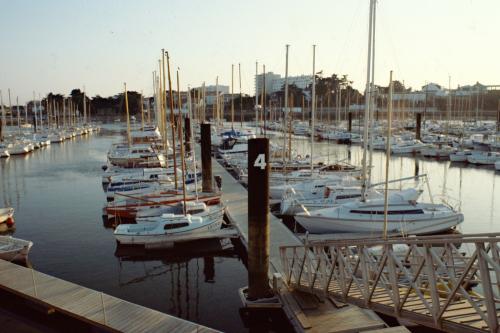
[260,161]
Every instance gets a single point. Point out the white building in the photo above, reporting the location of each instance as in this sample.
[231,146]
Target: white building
[211,92]
[274,82]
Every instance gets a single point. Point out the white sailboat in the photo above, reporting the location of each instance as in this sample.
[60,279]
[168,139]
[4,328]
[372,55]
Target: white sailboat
[404,217]
[160,229]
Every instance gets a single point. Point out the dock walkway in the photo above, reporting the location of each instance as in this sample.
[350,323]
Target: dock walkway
[90,306]
[306,313]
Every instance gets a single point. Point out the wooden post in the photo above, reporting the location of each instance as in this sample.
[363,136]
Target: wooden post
[206,157]
[258,219]
[418,125]
[349,126]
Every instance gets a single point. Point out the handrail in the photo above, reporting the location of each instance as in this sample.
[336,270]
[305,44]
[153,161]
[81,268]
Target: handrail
[425,279]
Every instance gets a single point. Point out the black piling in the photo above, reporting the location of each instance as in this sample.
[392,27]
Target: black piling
[258,219]
[34,123]
[349,118]
[418,126]
[206,158]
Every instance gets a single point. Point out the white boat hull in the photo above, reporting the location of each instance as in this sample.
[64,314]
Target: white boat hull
[154,239]
[321,225]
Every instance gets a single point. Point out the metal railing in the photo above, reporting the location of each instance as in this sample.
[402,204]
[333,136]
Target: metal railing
[450,282]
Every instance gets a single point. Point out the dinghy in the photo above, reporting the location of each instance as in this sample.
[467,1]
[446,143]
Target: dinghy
[14,249]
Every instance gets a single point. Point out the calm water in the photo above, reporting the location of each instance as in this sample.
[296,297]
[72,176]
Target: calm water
[58,198]
[57,194]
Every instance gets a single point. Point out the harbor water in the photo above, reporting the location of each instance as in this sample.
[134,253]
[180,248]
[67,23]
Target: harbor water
[58,198]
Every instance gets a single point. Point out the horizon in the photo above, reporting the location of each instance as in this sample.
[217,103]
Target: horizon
[57,46]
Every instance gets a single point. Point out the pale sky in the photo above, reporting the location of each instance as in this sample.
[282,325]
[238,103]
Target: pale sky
[59,45]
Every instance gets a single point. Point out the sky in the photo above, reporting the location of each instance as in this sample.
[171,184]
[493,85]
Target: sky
[56,45]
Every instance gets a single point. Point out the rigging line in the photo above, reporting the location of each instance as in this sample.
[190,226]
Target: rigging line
[348,40]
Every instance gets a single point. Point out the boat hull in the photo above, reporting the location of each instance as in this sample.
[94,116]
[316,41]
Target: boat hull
[322,225]
[161,238]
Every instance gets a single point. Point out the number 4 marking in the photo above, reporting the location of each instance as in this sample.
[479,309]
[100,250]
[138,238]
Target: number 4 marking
[260,161]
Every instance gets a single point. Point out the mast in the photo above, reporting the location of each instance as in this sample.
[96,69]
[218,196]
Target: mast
[448,108]
[142,111]
[85,109]
[3,117]
[217,106]
[388,155]
[64,112]
[181,143]
[193,153]
[373,93]
[10,108]
[232,96]
[241,101]
[26,113]
[172,118]
[285,112]
[313,105]
[263,112]
[18,114]
[256,95]
[34,110]
[367,104]
[126,111]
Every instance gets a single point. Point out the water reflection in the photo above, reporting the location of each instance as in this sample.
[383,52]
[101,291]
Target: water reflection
[183,272]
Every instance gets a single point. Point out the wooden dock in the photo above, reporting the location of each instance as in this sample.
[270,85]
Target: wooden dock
[86,305]
[307,313]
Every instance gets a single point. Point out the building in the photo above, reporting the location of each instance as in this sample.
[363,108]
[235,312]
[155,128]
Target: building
[211,92]
[274,82]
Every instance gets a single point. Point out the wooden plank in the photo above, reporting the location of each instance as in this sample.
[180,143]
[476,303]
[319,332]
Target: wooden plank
[295,310]
[395,329]
[306,301]
[87,305]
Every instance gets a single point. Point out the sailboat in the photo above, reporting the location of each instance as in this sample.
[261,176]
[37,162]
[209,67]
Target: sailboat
[196,216]
[396,213]
[162,228]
